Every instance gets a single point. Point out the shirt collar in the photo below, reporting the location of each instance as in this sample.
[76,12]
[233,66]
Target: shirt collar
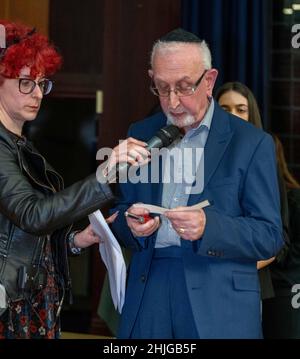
[205,123]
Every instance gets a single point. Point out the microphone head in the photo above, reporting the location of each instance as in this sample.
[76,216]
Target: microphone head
[168,134]
[164,137]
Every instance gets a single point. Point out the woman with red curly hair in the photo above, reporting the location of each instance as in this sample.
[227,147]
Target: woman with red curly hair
[36,213]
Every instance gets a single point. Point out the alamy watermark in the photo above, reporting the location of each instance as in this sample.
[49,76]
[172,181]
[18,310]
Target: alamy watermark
[296,38]
[183,166]
[296,297]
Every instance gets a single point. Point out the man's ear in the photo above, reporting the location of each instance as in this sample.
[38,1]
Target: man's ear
[211,77]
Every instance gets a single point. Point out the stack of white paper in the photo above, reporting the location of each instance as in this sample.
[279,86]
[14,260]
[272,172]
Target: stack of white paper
[112,257]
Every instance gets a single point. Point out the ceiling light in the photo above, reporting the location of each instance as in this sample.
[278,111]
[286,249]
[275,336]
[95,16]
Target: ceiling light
[287,11]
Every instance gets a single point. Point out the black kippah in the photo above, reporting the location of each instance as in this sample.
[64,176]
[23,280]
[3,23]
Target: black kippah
[180,35]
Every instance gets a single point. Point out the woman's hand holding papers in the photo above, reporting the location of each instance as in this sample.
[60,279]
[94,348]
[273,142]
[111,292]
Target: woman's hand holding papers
[87,237]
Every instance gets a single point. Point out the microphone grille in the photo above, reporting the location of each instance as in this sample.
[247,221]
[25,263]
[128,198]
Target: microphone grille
[168,134]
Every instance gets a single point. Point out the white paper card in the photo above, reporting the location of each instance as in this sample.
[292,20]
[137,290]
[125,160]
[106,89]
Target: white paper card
[161,210]
[112,257]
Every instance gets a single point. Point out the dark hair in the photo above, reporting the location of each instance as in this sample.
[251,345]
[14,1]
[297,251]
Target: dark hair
[26,47]
[254,115]
[288,178]
[180,35]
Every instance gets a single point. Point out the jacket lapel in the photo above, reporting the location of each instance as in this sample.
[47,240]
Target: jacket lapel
[219,137]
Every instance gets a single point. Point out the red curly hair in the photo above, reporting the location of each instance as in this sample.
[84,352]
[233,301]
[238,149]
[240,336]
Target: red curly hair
[25,47]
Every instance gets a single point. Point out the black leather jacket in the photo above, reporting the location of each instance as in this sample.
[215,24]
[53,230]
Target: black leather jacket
[33,205]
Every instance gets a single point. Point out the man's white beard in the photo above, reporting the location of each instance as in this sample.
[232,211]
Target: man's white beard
[188,120]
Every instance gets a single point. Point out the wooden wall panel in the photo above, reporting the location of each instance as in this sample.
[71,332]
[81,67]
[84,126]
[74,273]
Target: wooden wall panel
[130,29]
[78,34]
[4,9]
[30,12]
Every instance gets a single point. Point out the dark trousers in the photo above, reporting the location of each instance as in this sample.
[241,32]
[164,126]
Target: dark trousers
[165,311]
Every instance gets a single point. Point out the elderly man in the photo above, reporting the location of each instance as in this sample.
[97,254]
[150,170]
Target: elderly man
[193,272]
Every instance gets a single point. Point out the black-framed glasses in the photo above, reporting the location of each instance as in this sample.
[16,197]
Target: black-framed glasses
[26,86]
[181,89]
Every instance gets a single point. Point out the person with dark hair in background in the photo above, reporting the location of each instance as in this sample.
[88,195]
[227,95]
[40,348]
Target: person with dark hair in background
[193,271]
[239,100]
[281,314]
[36,212]
[279,318]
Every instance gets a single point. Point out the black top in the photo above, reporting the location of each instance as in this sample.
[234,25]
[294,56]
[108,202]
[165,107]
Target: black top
[287,273]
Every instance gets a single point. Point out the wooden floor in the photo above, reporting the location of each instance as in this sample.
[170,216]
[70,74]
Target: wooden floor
[70,335]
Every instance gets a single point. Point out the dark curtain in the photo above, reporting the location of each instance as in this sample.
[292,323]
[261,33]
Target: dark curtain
[237,34]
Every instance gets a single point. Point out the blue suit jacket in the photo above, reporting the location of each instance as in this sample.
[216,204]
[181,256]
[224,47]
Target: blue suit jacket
[243,226]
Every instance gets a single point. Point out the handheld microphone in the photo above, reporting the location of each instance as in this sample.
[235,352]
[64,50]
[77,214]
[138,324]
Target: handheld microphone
[163,138]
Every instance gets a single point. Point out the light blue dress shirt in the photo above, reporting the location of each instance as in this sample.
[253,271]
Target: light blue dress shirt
[177,191]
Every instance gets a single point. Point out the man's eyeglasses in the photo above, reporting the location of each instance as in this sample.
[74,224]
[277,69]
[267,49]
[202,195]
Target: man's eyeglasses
[26,86]
[180,90]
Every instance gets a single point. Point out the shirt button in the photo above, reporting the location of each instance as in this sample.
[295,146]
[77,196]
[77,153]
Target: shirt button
[143,278]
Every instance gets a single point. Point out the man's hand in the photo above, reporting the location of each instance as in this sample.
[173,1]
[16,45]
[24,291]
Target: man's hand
[189,224]
[142,229]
